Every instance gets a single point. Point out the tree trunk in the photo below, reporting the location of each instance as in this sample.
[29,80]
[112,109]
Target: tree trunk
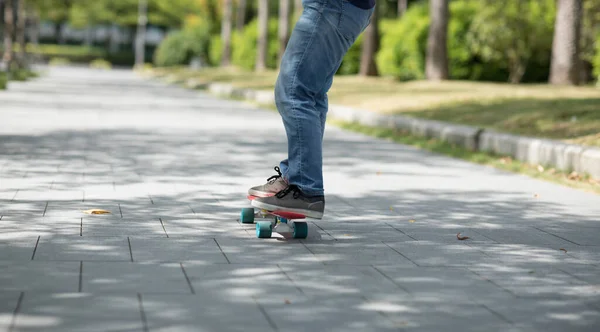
[34,30]
[284,26]
[140,35]
[565,49]
[20,37]
[263,27]
[226,33]
[8,33]
[241,15]
[402,7]
[60,30]
[370,46]
[437,54]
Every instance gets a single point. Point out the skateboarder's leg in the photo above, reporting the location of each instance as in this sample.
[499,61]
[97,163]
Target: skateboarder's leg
[318,43]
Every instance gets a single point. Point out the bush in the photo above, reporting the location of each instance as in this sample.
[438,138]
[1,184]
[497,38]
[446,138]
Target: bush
[517,34]
[178,48]
[244,45]
[216,50]
[596,61]
[351,63]
[403,44]
[59,61]
[100,64]
[3,81]
[73,53]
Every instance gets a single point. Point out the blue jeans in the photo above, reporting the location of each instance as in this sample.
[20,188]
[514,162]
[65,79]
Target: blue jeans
[322,36]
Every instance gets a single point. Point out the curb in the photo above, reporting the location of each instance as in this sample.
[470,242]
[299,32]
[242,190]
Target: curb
[545,152]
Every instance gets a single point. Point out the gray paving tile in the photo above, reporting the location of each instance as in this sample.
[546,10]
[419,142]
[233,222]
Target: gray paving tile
[580,235]
[537,282]
[266,251]
[336,280]
[79,312]
[34,276]
[123,278]
[8,304]
[18,247]
[176,250]
[200,313]
[361,253]
[241,282]
[425,253]
[78,248]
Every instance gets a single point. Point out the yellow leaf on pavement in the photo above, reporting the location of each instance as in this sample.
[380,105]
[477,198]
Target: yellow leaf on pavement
[96,211]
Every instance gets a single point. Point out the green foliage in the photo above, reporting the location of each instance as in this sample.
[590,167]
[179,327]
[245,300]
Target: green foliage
[216,50]
[590,29]
[514,32]
[403,44]
[244,45]
[596,59]
[100,64]
[178,48]
[57,61]
[351,63]
[3,81]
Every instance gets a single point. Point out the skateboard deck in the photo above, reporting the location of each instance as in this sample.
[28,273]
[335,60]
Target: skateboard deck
[265,229]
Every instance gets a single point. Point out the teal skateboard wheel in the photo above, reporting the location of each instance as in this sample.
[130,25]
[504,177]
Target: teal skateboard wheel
[247,216]
[263,229]
[300,230]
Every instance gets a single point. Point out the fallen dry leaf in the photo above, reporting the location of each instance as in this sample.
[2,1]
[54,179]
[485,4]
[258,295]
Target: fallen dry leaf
[536,195]
[412,220]
[287,301]
[96,211]
[378,173]
[461,237]
[506,160]
[573,176]
[563,249]
[391,208]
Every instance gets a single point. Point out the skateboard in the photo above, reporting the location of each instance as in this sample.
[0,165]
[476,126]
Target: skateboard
[279,220]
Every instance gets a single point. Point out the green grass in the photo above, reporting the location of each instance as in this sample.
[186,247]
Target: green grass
[571,179]
[575,120]
[570,114]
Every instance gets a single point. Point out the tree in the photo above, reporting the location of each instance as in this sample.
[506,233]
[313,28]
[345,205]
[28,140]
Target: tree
[512,32]
[284,26]
[8,35]
[241,15]
[565,46]
[263,27]
[20,35]
[402,7]
[370,46]
[226,33]
[436,67]
[140,38]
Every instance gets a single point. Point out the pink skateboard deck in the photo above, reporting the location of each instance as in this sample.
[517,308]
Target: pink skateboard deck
[283,214]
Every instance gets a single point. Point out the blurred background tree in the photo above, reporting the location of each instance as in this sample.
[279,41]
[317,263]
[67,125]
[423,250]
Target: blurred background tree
[483,40]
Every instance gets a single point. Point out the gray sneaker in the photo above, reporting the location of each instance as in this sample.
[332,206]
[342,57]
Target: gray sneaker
[291,199]
[274,184]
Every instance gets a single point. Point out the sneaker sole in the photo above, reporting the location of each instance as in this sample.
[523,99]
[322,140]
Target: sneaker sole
[269,207]
[256,193]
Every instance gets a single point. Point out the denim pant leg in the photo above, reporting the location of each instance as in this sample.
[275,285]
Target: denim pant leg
[319,41]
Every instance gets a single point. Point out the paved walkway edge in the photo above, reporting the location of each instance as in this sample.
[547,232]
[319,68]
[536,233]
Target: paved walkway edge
[545,152]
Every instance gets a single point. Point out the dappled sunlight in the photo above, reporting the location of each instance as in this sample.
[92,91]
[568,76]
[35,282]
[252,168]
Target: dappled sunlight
[173,171]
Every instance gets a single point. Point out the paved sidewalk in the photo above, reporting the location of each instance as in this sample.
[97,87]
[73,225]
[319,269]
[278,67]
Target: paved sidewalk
[173,166]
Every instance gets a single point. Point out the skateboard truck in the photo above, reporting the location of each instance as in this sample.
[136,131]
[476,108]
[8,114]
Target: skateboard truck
[264,229]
